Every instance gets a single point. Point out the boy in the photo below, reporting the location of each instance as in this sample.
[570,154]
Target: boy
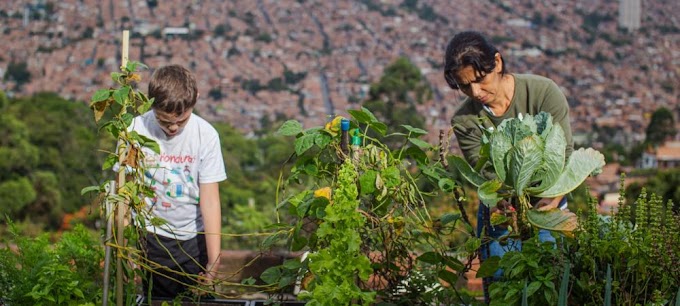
[184,178]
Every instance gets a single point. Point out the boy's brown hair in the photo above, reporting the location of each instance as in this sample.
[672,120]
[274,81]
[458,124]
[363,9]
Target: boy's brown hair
[173,88]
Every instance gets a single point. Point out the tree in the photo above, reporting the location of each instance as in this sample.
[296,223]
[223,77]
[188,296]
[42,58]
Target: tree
[394,98]
[18,72]
[66,135]
[49,155]
[664,184]
[15,194]
[3,100]
[661,126]
[18,156]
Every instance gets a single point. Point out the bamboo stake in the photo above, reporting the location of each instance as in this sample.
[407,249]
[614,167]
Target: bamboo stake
[125,50]
[108,215]
[121,181]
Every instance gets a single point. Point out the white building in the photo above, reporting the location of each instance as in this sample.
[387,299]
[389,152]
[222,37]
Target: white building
[630,12]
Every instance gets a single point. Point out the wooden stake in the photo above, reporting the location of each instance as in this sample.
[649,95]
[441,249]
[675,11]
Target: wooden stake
[125,51]
[122,211]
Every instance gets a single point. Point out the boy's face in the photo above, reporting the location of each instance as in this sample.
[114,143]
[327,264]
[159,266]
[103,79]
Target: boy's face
[172,124]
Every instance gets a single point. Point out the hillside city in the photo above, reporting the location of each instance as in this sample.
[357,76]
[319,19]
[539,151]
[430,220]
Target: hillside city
[262,61]
[259,62]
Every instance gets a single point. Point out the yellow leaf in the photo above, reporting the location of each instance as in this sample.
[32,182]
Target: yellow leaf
[333,127]
[324,192]
[134,77]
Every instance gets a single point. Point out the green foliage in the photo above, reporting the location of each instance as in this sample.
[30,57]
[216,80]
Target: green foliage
[51,144]
[527,156]
[67,140]
[17,72]
[3,100]
[639,245]
[243,220]
[663,183]
[661,127]
[253,165]
[629,258]
[222,29]
[293,78]
[276,84]
[41,273]
[343,205]
[339,262]
[394,97]
[537,265]
[114,110]
[252,86]
[15,195]
[18,156]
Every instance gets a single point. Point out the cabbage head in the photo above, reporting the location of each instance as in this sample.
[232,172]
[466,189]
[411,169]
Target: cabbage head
[526,157]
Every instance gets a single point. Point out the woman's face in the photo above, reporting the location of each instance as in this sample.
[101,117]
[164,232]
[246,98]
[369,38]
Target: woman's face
[482,87]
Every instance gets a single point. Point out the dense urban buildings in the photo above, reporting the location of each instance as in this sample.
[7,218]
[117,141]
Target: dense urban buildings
[262,61]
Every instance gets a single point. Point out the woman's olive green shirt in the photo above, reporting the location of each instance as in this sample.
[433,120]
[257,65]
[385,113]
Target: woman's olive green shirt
[533,94]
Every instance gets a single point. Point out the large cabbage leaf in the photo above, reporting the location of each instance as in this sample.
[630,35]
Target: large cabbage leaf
[543,123]
[515,129]
[554,219]
[523,160]
[501,143]
[581,164]
[528,156]
[553,159]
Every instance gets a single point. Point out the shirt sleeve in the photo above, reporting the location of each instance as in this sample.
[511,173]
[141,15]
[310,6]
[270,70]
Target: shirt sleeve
[469,137]
[212,164]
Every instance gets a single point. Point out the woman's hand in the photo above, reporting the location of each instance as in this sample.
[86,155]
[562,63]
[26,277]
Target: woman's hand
[546,204]
[503,208]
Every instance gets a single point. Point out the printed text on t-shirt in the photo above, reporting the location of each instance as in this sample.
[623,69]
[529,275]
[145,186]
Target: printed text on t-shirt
[178,159]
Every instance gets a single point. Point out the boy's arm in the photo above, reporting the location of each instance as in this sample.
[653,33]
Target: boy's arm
[212,220]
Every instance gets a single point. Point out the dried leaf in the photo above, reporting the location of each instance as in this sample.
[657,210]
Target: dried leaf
[131,158]
[99,108]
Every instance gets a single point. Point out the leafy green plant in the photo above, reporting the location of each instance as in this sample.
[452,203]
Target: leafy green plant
[119,105]
[337,267]
[636,249]
[39,272]
[533,266]
[362,211]
[629,258]
[526,156]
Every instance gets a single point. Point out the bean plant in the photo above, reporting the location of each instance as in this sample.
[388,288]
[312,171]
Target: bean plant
[362,215]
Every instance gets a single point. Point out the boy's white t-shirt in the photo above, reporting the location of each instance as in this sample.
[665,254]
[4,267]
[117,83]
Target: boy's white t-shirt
[190,158]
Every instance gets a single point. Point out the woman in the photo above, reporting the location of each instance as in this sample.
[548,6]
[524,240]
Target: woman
[476,68]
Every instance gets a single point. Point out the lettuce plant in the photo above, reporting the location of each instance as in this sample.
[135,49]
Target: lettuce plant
[525,157]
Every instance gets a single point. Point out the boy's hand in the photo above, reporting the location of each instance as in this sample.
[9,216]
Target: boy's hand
[207,278]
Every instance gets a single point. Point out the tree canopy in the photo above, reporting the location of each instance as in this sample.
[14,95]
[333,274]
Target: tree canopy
[661,126]
[48,156]
[394,98]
